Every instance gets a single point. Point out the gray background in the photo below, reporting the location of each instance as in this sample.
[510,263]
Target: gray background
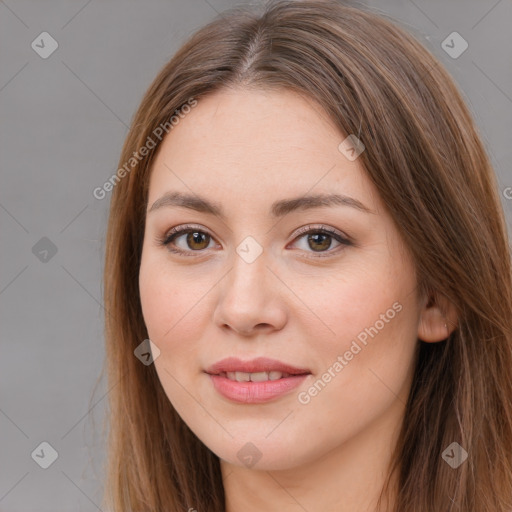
[64,120]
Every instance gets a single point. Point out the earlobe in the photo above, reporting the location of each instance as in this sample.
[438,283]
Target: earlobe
[438,320]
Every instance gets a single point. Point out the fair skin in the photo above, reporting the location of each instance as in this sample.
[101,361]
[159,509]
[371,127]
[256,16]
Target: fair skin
[246,149]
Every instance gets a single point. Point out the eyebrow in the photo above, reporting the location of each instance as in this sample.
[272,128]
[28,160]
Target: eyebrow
[278,208]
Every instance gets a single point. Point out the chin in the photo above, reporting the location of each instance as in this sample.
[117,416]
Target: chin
[260,454]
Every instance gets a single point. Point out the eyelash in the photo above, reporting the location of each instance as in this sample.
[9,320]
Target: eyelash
[178,231]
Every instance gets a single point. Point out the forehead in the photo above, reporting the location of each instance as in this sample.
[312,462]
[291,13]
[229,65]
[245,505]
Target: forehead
[256,143]
[258,121]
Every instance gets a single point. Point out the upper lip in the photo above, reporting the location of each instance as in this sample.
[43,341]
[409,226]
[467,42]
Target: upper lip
[260,364]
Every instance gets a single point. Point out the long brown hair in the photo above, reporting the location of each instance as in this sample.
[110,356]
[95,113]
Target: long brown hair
[426,158]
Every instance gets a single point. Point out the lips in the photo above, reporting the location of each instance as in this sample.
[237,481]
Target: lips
[258,365]
[255,382]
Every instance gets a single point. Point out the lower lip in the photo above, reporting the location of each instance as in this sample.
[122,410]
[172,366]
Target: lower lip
[255,392]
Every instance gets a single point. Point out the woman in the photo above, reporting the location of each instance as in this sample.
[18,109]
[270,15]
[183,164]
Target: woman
[306,226]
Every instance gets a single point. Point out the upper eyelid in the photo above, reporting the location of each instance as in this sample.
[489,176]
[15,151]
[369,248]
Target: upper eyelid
[186,228]
[321,227]
[181,230]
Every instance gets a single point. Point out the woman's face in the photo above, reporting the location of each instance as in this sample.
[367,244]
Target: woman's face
[338,304]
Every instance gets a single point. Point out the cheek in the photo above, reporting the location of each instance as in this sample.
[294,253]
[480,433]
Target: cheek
[155,301]
[365,368]
[372,316]
[164,303]
[169,299]
[176,314]
[171,313]
[351,301]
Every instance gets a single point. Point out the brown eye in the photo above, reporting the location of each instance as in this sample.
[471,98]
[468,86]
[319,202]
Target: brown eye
[196,240]
[322,240]
[186,240]
[319,241]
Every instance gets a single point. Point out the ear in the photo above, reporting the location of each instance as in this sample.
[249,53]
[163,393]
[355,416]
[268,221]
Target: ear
[438,319]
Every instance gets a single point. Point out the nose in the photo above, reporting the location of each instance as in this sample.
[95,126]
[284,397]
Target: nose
[251,300]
